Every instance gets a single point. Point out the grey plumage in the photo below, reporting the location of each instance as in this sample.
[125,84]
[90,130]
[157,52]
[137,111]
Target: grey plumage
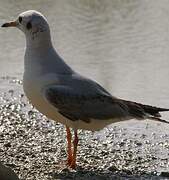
[84,99]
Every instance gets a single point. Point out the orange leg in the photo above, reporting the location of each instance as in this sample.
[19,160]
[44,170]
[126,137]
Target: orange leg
[75,143]
[69,146]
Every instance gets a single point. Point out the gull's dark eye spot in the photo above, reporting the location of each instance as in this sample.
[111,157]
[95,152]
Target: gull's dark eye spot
[20,19]
[29,25]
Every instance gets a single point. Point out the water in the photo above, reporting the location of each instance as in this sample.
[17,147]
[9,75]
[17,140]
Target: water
[124,45]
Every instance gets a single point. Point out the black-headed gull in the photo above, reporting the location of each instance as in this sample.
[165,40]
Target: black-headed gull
[63,95]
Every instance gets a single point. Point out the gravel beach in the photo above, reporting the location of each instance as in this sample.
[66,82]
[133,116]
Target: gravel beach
[35,147]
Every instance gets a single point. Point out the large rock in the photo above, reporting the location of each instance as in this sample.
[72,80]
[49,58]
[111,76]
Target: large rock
[7,173]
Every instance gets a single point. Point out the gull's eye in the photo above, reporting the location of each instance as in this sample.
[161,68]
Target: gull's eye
[29,25]
[20,19]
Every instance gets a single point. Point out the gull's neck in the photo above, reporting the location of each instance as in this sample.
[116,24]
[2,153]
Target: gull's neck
[41,57]
[38,41]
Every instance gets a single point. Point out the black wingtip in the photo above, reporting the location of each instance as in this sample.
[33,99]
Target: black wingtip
[153,110]
[162,109]
[159,120]
[4,25]
[147,109]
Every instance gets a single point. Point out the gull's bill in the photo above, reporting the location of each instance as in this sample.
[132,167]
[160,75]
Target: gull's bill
[10,24]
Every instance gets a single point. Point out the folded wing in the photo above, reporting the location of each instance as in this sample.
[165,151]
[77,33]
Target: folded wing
[80,106]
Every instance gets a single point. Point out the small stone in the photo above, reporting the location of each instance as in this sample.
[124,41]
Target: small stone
[113,168]
[8,144]
[138,143]
[7,173]
[164,174]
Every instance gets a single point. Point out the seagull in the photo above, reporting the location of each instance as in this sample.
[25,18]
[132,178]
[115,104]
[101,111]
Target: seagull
[64,95]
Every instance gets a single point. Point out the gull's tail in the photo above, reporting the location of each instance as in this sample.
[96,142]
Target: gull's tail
[141,111]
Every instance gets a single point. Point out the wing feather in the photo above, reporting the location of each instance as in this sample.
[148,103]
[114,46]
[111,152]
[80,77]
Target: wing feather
[80,106]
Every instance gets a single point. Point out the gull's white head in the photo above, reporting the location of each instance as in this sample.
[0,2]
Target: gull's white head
[33,24]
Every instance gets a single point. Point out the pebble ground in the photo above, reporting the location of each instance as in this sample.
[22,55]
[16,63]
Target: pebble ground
[35,147]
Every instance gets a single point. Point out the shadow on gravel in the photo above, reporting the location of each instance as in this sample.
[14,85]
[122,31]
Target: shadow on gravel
[83,174]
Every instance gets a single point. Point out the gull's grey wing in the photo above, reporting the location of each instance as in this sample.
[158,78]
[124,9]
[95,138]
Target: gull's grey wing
[77,105]
[79,98]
